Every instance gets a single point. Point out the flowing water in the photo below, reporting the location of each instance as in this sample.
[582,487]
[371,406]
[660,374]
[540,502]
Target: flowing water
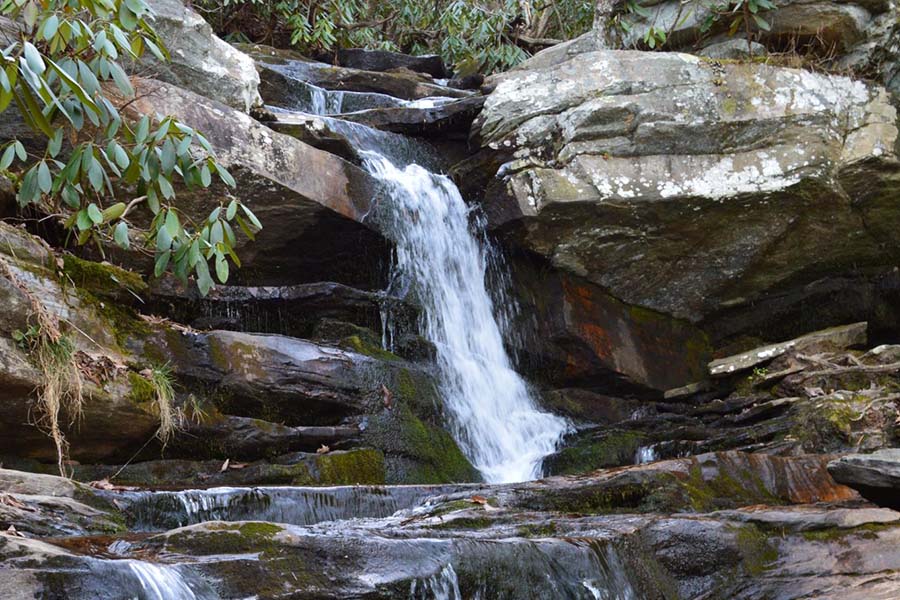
[293,505]
[493,415]
[142,580]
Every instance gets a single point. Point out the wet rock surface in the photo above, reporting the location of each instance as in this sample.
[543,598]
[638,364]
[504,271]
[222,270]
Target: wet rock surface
[279,67]
[382,60]
[497,541]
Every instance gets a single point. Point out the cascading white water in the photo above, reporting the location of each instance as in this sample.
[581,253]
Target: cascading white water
[161,582]
[493,416]
[325,102]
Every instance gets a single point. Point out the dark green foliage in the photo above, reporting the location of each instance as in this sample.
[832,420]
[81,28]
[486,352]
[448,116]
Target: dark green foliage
[471,35]
[64,75]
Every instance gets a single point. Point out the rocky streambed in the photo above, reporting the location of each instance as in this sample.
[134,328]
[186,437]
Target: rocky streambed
[690,258]
[714,525]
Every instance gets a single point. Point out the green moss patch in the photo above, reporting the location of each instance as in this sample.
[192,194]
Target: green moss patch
[102,279]
[756,551]
[224,538]
[364,466]
[366,348]
[433,456]
[613,449]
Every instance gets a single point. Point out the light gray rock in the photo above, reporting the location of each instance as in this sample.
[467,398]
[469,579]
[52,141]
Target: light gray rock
[878,56]
[733,49]
[838,337]
[45,505]
[698,189]
[875,476]
[824,24]
[199,60]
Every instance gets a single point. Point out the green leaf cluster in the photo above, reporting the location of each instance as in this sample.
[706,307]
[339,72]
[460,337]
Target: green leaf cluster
[743,14]
[471,35]
[64,74]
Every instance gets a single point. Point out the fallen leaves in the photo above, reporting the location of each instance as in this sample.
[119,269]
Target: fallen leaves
[14,532]
[9,500]
[234,466]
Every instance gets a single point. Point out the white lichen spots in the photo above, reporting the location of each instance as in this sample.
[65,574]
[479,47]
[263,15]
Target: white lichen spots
[722,179]
[688,58]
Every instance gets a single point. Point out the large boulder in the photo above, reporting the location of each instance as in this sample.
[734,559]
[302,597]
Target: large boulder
[696,190]
[311,203]
[199,60]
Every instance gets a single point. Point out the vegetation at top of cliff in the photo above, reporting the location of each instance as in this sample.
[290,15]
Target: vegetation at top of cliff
[471,35]
[742,16]
[61,67]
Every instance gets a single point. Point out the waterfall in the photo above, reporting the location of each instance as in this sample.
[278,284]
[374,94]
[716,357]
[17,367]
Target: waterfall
[441,586]
[493,416]
[161,582]
[140,580]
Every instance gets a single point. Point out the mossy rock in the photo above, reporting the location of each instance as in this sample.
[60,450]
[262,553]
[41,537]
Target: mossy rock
[333,331]
[662,491]
[223,538]
[102,279]
[756,551]
[354,467]
[142,391]
[612,449]
[360,345]
[421,452]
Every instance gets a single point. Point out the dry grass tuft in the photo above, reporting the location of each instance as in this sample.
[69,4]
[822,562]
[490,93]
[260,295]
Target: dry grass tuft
[62,388]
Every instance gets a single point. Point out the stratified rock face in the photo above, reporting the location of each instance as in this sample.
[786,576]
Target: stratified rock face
[857,36]
[112,420]
[875,476]
[199,60]
[695,188]
[382,60]
[830,24]
[278,68]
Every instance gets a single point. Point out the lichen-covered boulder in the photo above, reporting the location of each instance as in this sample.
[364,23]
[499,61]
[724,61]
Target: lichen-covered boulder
[199,60]
[696,189]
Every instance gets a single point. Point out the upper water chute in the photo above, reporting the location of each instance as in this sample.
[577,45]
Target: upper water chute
[493,415]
